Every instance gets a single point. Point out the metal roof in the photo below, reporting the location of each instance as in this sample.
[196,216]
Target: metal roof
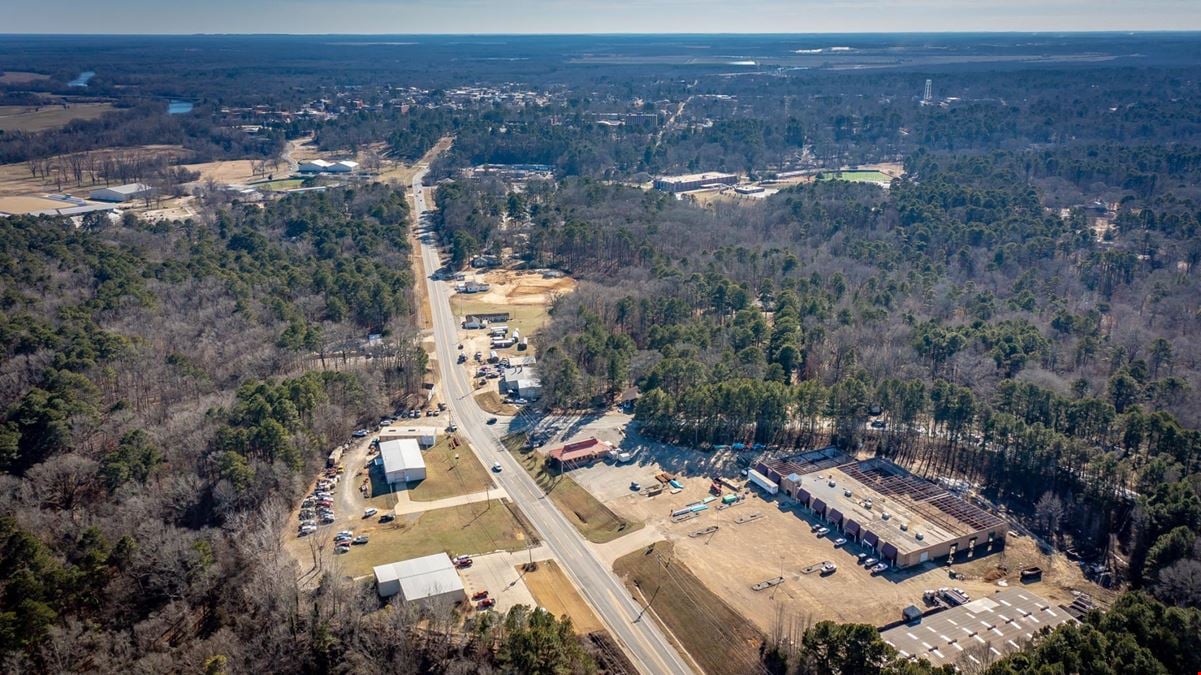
[995,625]
[422,577]
[400,454]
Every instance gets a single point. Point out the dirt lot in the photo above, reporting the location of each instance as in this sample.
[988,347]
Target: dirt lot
[237,171]
[737,556]
[26,118]
[780,544]
[554,592]
[712,632]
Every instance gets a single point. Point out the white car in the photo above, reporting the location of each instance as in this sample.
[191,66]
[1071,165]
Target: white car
[367,513]
[496,468]
[346,533]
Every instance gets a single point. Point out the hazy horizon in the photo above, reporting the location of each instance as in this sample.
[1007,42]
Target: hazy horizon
[545,17]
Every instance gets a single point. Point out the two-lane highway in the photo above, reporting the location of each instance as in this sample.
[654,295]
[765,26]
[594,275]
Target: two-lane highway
[642,639]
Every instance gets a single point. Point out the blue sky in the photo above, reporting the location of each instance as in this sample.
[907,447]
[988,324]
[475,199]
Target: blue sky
[591,16]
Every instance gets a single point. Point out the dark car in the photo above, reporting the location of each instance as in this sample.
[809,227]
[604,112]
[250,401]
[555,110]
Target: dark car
[491,420]
[485,603]
[387,518]
[480,596]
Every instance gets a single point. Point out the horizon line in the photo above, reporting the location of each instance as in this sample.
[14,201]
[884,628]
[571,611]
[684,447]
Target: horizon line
[1053,32]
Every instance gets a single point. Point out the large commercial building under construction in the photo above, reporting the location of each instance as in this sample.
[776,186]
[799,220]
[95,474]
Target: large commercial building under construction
[908,520]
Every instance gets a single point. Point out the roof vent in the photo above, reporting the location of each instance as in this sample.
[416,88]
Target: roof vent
[846,493]
[867,504]
[919,536]
[885,515]
[831,483]
[904,527]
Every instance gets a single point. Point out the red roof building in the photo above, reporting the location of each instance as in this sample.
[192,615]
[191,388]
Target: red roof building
[579,453]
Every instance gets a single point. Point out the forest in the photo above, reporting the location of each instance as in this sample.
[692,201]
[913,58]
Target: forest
[1004,338]
[1016,311]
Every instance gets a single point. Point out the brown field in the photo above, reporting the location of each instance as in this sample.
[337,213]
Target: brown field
[16,179]
[523,288]
[231,171]
[29,204]
[21,77]
[25,118]
[554,592]
[714,635]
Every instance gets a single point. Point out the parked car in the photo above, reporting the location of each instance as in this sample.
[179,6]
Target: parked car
[635,486]
[462,358]
[480,595]
[441,405]
[870,562]
[346,533]
[879,568]
[823,531]
[387,518]
[485,603]
[491,420]
[367,513]
[839,542]
[452,427]
[360,433]
[342,549]
[359,540]
[385,423]
[307,529]
[461,561]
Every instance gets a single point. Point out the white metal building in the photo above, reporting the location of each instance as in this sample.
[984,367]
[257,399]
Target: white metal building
[426,579]
[425,436]
[323,166]
[402,461]
[122,193]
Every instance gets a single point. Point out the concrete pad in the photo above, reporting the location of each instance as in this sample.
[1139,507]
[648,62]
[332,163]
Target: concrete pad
[498,574]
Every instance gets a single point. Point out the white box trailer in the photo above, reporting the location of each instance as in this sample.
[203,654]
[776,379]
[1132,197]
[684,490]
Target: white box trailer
[763,482]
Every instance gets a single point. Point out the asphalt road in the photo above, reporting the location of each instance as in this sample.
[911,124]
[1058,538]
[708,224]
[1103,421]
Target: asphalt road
[643,641]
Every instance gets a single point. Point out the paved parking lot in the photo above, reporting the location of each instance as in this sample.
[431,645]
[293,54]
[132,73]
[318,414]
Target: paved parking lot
[498,574]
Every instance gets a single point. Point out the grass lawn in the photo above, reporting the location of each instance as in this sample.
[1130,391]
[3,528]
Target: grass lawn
[717,637]
[525,318]
[491,402]
[593,519]
[859,176]
[469,529]
[446,477]
[285,184]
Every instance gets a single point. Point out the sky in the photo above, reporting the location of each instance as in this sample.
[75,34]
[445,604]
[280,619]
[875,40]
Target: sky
[592,16]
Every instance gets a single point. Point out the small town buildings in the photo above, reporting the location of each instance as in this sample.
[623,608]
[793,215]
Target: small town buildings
[402,461]
[122,193]
[976,633]
[425,436]
[430,579]
[695,181]
[580,453]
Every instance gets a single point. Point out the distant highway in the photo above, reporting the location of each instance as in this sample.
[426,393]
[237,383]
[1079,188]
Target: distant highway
[645,644]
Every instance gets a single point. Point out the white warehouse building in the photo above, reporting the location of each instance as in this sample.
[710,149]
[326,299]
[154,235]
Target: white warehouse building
[322,166]
[427,579]
[122,193]
[402,461]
